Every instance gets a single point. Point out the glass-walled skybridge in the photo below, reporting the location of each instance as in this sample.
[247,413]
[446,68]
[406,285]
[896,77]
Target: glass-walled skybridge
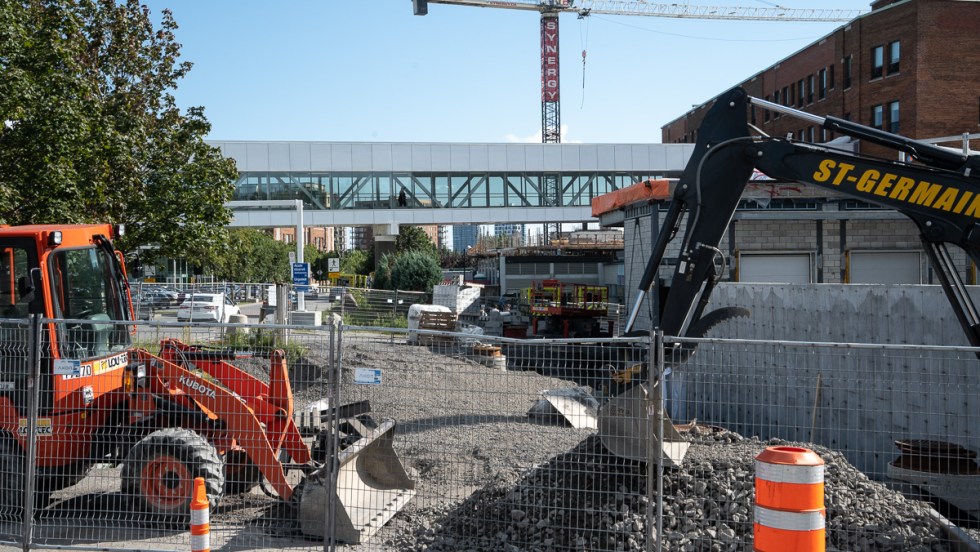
[346,184]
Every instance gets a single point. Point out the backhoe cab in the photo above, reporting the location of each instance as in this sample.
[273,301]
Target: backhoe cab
[183,413]
[939,191]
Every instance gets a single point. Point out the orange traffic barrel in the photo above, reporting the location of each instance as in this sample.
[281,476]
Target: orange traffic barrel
[200,518]
[789,509]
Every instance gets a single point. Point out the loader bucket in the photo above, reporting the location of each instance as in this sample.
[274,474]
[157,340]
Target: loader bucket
[372,486]
[628,432]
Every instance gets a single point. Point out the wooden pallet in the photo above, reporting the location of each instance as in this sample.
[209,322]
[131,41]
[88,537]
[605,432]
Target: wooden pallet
[437,321]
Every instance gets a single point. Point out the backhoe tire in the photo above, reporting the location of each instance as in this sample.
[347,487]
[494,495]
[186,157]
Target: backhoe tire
[159,475]
[11,481]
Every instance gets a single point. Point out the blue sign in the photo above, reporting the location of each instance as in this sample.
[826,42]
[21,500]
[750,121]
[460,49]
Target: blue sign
[301,276]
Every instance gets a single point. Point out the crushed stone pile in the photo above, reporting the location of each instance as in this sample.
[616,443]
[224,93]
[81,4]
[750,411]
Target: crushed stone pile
[586,499]
[489,480]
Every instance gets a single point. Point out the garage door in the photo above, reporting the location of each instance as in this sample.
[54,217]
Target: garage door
[790,268]
[885,267]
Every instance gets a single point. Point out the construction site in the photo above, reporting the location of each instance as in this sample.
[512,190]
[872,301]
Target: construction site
[654,385]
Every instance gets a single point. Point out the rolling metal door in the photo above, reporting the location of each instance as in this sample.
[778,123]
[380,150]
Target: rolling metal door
[885,267]
[783,268]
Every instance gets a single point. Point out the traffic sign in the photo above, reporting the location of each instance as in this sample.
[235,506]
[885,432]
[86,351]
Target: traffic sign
[301,276]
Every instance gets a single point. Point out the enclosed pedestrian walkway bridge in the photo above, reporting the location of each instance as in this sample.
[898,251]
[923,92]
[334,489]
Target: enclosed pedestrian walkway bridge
[384,183]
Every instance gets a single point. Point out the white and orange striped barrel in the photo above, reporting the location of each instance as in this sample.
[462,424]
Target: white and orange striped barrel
[789,507]
[200,518]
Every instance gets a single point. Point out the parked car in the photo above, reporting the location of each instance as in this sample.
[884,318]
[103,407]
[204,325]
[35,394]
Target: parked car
[207,307]
[152,299]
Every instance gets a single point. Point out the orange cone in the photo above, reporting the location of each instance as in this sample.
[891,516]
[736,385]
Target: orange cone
[200,518]
[789,507]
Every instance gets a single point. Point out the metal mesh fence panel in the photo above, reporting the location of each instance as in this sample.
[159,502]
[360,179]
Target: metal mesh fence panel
[358,438]
[851,404]
[493,464]
[128,416]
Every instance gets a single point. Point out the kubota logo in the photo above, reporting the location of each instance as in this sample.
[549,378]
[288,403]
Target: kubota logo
[197,386]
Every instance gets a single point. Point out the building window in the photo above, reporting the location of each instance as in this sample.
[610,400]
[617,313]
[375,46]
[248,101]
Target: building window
[877,112]
[877,62]
[847,72]
[893,117]
[809,89]
[786,99]
[822,80]
[810,135]
[830,78]
[800,93]
[894,53]
[775,100]
[765,113]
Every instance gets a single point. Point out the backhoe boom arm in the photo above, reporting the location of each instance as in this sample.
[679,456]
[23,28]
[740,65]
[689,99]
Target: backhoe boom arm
[941,196]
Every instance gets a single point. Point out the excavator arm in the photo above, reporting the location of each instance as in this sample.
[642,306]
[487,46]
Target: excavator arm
[939,192]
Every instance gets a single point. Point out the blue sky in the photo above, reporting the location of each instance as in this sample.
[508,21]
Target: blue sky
[369,70]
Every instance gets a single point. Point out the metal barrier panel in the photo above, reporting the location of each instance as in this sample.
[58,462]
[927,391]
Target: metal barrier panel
[128,415]
[849,403]
[366,438]
[494,466]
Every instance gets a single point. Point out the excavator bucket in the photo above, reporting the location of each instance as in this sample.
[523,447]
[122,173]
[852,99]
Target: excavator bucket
[573,404]
[627,431]
[372,486]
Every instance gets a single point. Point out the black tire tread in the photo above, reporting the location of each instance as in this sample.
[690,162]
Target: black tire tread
[192,448]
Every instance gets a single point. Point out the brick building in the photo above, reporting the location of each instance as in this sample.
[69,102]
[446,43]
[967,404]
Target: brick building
[904,67]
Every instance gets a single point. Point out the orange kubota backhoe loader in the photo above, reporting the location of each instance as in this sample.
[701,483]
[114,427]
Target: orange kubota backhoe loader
[66,353]
[938,189]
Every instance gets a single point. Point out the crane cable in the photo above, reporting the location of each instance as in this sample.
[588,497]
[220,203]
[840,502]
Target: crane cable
[585,46]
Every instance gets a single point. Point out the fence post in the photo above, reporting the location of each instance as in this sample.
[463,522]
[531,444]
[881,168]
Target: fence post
[655,455]
[30,454]
[200,518]
[789,507]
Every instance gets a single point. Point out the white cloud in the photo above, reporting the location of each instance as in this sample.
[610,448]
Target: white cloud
[536,138]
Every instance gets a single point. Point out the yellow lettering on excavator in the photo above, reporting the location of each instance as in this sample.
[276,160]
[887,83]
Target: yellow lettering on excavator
[974,209]
[946,200]
[925,193]
[886,182]
[823,170]
[902,189]
[843,169]
[868,180]
[963,199]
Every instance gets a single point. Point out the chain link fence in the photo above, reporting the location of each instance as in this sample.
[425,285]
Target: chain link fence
[353,438]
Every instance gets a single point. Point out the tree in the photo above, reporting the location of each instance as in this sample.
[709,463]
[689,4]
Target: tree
[91,132]
[252,255]
[413,238]
[415,271]
[355,262]
[382,271]
[453,259]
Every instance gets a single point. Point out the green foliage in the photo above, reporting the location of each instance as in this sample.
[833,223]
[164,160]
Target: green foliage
[90,131]
[355,262]
[413,238]
[263,341]
[415,271]
[251,255]
[382,272]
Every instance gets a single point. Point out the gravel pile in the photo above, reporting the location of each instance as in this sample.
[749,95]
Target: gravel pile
[586,500]
[491,480]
